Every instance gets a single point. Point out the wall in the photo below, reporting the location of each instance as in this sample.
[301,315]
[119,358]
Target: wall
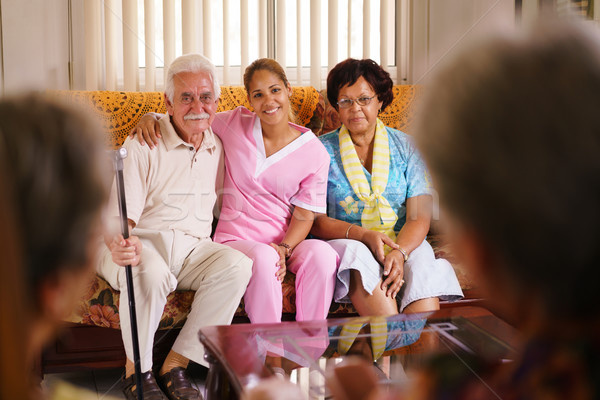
[441,28]
[35,48]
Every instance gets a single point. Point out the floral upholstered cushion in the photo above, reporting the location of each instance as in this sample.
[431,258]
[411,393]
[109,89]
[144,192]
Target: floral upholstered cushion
[119,112]
[100,306]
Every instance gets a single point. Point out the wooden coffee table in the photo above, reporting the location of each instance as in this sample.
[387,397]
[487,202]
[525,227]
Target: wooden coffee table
[309,349]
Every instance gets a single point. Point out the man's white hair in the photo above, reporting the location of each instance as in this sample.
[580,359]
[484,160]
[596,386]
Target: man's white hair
[191,63]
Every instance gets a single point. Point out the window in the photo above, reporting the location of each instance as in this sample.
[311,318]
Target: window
[307,36]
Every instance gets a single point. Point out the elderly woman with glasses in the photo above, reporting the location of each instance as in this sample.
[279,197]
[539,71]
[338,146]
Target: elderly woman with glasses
[379,203]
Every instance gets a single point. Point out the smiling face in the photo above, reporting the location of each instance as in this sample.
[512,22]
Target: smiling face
[194,104]
[359,120]
[269,96]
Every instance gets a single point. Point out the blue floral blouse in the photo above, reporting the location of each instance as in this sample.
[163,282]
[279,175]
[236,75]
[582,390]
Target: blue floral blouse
[408,177]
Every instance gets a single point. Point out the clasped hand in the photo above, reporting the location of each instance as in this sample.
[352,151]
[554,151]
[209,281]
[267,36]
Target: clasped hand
[393,270]
[393,263]
[280,274]
[126,251]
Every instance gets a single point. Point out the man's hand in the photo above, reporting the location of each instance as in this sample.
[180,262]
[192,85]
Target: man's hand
[126,252]
[147,129]
[280,274]
[375,241]
[393,269]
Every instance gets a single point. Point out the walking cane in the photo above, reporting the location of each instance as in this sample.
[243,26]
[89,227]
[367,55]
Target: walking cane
[119,155]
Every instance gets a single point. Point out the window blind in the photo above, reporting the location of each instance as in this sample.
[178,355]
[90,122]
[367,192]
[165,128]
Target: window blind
[128,43]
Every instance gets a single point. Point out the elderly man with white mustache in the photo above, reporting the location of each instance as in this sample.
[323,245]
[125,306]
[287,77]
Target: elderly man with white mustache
[171,192]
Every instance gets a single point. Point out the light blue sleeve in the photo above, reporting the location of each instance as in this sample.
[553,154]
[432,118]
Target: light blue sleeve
[417,176]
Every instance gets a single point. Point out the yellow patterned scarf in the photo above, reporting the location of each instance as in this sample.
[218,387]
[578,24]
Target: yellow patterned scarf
[377,213]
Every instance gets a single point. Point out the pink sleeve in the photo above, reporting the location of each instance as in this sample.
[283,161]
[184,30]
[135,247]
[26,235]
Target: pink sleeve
[312,194]
[221,122]
[230,124]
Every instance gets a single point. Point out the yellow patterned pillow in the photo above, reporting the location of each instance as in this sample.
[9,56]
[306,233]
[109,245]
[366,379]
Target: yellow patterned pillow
[119,112]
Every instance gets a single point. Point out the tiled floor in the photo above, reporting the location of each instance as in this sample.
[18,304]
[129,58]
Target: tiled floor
[106,383]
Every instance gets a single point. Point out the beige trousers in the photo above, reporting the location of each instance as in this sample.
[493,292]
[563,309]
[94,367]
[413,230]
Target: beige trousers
[172,260]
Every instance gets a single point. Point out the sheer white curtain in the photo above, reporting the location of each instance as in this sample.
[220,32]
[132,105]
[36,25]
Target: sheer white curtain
[129,42]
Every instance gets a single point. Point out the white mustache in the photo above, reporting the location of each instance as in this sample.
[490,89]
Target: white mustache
[196,116]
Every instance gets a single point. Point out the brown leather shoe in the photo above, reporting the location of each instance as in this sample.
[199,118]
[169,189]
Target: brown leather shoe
[150,388]
[177,385]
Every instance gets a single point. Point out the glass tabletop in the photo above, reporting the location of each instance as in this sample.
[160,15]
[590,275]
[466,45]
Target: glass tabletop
[305,352]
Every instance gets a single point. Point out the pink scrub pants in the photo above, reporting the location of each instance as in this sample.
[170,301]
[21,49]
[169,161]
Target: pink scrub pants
[314,262]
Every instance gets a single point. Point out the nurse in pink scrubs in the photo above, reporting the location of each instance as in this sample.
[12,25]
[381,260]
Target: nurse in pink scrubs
[275,181]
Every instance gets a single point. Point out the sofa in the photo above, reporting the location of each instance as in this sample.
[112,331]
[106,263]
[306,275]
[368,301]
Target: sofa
[92,338]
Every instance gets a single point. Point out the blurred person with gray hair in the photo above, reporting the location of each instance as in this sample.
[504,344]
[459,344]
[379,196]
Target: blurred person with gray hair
[510,131]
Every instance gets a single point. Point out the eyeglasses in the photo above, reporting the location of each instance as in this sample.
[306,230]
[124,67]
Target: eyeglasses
[361,101]
[206,98]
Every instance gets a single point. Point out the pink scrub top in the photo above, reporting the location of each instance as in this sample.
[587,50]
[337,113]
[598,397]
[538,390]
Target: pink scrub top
[259,192]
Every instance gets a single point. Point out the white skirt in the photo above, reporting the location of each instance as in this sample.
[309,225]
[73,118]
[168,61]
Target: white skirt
[424,275]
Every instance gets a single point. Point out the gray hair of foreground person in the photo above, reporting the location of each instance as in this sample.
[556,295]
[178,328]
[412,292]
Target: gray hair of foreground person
[191,63]
[511,134]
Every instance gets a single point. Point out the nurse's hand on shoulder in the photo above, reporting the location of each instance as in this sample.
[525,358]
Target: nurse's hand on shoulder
[147,130]
[126,251]
[376,241]
[281,267]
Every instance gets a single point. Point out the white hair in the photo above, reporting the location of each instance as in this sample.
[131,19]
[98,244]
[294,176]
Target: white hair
[191,63]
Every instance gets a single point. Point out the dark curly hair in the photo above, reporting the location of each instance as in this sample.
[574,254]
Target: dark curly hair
[348,71]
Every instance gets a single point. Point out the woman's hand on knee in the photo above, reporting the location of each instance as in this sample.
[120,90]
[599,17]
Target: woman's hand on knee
[126,251]
[393,270]
[281,270]
[376,241]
